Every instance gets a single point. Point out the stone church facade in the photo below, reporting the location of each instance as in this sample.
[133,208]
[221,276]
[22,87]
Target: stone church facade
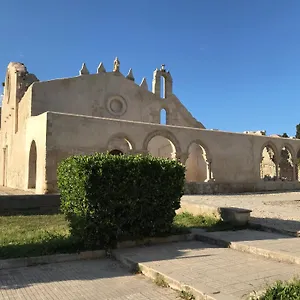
[43,122]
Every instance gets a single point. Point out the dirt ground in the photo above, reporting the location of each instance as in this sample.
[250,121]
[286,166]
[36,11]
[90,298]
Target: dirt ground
[275,209]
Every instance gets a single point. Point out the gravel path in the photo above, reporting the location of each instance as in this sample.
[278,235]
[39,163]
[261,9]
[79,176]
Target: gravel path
[280,210]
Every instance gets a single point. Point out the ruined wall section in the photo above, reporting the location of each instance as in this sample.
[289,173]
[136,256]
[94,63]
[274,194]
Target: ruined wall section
[109,95]
[12,153]
[229,162]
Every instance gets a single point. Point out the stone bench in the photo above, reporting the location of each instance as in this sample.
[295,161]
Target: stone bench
[235,216]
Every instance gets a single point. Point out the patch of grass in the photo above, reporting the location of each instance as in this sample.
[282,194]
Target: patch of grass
[187,221]
[160,281]
[186,295]
[24,236]
[283,290]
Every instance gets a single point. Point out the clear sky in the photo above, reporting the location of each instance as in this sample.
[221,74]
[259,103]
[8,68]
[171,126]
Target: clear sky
[235,63]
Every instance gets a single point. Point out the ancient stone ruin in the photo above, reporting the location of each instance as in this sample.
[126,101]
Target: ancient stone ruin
[43,122]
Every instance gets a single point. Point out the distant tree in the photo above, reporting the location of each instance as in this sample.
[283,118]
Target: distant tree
[284,135]
[297,131]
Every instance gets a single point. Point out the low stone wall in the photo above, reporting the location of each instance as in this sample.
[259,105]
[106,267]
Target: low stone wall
[212,188]
[29,204]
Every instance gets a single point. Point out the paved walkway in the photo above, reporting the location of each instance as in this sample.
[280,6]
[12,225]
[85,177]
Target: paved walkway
[221,273]
[91,280]
[263,240]
[277,247]
[279,210]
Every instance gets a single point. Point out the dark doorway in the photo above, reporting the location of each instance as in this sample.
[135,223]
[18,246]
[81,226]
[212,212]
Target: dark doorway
[116,152]
[32,166]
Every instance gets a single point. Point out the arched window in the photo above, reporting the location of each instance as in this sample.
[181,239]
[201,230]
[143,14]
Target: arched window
[162,87]
[163,116]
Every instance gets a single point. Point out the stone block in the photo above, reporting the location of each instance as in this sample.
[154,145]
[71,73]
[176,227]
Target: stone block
[235,216]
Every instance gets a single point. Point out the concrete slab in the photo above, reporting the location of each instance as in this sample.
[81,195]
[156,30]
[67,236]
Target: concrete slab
[218,273]
[102,279]
[275,246]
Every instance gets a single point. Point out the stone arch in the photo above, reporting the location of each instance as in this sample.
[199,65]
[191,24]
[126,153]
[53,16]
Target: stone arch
[198,163]
[162,75]
[269,159]
[121,143]
[174,143]
[32,166]
[272,145]
[290,149]
[287,163]
[200,143]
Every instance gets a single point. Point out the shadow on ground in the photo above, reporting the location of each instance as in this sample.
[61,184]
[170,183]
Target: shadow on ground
[11,279]
[289,226]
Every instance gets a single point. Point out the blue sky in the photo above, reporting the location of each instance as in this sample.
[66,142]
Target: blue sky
[235,63]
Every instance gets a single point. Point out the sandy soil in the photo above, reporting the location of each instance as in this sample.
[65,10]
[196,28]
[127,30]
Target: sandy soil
[280,210]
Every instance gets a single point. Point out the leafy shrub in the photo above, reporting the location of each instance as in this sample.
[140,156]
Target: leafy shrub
[283,291]
[108,198]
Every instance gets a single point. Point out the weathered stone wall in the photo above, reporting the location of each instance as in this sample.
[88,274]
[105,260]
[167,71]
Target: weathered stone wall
[211,188]
[235,157]
[107,95]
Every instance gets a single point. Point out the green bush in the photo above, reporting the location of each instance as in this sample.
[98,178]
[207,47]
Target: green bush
[108,198]
[283,291]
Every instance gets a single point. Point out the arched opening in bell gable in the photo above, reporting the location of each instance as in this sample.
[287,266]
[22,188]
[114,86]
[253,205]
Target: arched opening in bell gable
[163,116]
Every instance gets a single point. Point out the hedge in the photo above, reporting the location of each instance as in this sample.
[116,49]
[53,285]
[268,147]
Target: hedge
[108,198]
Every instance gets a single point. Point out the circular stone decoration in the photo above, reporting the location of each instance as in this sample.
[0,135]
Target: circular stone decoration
[116,106]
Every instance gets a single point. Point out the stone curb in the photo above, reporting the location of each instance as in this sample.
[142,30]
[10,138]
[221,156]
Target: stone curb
[269,254]
[152,274]
[157,240]
[257,226]
[65,257]
[48,259]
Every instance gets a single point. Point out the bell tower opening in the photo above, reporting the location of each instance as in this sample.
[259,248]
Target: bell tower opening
[162,83]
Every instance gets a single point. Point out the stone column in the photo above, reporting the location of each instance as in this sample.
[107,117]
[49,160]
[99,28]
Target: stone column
[277,170]
[182,157]
[295,166]
[156,82]
[209,171]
